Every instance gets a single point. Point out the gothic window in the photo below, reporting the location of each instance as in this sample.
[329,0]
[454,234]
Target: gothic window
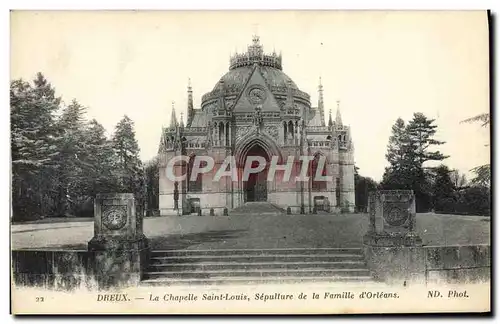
[290,129]
[197,184]
[318,184]
[221,132]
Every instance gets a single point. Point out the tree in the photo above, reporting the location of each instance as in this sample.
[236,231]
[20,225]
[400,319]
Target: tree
[100,159]
[443,190]
[483,118]
[72,174]
[398,174]
[152,184]
[363,185]
[397,149]
[421,131]
[483,172]
[408,149]
[459,180]
[34,147]
[474,200]
[128,167]
[60,163]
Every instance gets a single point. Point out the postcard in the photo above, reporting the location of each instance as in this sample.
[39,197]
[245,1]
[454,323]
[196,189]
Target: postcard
[250,162]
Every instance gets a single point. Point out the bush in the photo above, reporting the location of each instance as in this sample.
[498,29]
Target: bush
[474,201]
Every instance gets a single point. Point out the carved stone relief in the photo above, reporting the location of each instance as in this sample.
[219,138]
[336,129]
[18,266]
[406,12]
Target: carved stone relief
[272,130]
[114,217]
[242,131]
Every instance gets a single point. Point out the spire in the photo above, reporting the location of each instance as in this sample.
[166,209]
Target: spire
[173,117]
[330,121]
[182,120]
[338,118]
[190,102]
[320,102]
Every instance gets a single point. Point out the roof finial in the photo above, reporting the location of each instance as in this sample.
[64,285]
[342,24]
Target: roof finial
[330,121]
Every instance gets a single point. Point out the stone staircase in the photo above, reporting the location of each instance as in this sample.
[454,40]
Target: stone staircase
[259,208]
[254,266]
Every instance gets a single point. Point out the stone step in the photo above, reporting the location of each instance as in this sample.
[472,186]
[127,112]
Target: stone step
[256,280]
[260,208]
[279,265]
[208,266]
[302,273]
[257,258]
[280,251]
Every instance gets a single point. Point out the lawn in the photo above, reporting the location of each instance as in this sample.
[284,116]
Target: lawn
[254,231]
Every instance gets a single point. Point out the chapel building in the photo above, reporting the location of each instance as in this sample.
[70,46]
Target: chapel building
[255,109]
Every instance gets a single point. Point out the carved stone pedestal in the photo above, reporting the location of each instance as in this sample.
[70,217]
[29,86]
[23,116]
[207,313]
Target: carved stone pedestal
[120,248]
[392,248]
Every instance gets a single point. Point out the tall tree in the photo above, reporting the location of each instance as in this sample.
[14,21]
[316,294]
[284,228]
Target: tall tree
[409,148]
[421,131]
[100,159]
[397,149]
[33,146]
[72,164]
[128,166]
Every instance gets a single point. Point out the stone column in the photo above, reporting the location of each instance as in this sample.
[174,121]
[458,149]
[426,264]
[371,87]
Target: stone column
[120,249]
[393,250]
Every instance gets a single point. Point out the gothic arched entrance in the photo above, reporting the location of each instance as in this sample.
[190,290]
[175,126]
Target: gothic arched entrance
[255,188]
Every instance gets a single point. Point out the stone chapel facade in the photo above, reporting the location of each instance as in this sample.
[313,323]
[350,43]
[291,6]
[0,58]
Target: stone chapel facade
[256,109]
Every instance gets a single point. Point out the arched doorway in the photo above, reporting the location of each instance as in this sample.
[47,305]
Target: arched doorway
[255,188]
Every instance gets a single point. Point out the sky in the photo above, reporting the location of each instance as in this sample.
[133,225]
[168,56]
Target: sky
[381,65]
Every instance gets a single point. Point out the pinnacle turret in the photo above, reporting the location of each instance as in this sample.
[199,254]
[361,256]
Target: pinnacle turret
[320,102]
[255,54]
[190,107]
[338,117]
[173,117]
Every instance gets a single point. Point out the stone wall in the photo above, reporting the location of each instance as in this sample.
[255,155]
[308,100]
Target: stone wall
[60,270]
[454,264]
[68,270]
[429,264]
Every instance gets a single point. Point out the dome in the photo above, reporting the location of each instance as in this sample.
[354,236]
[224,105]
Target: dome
[241,66]
[237,77]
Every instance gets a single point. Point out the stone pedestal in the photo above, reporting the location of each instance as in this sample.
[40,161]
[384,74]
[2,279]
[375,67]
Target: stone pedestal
[392,248]
[119,246]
